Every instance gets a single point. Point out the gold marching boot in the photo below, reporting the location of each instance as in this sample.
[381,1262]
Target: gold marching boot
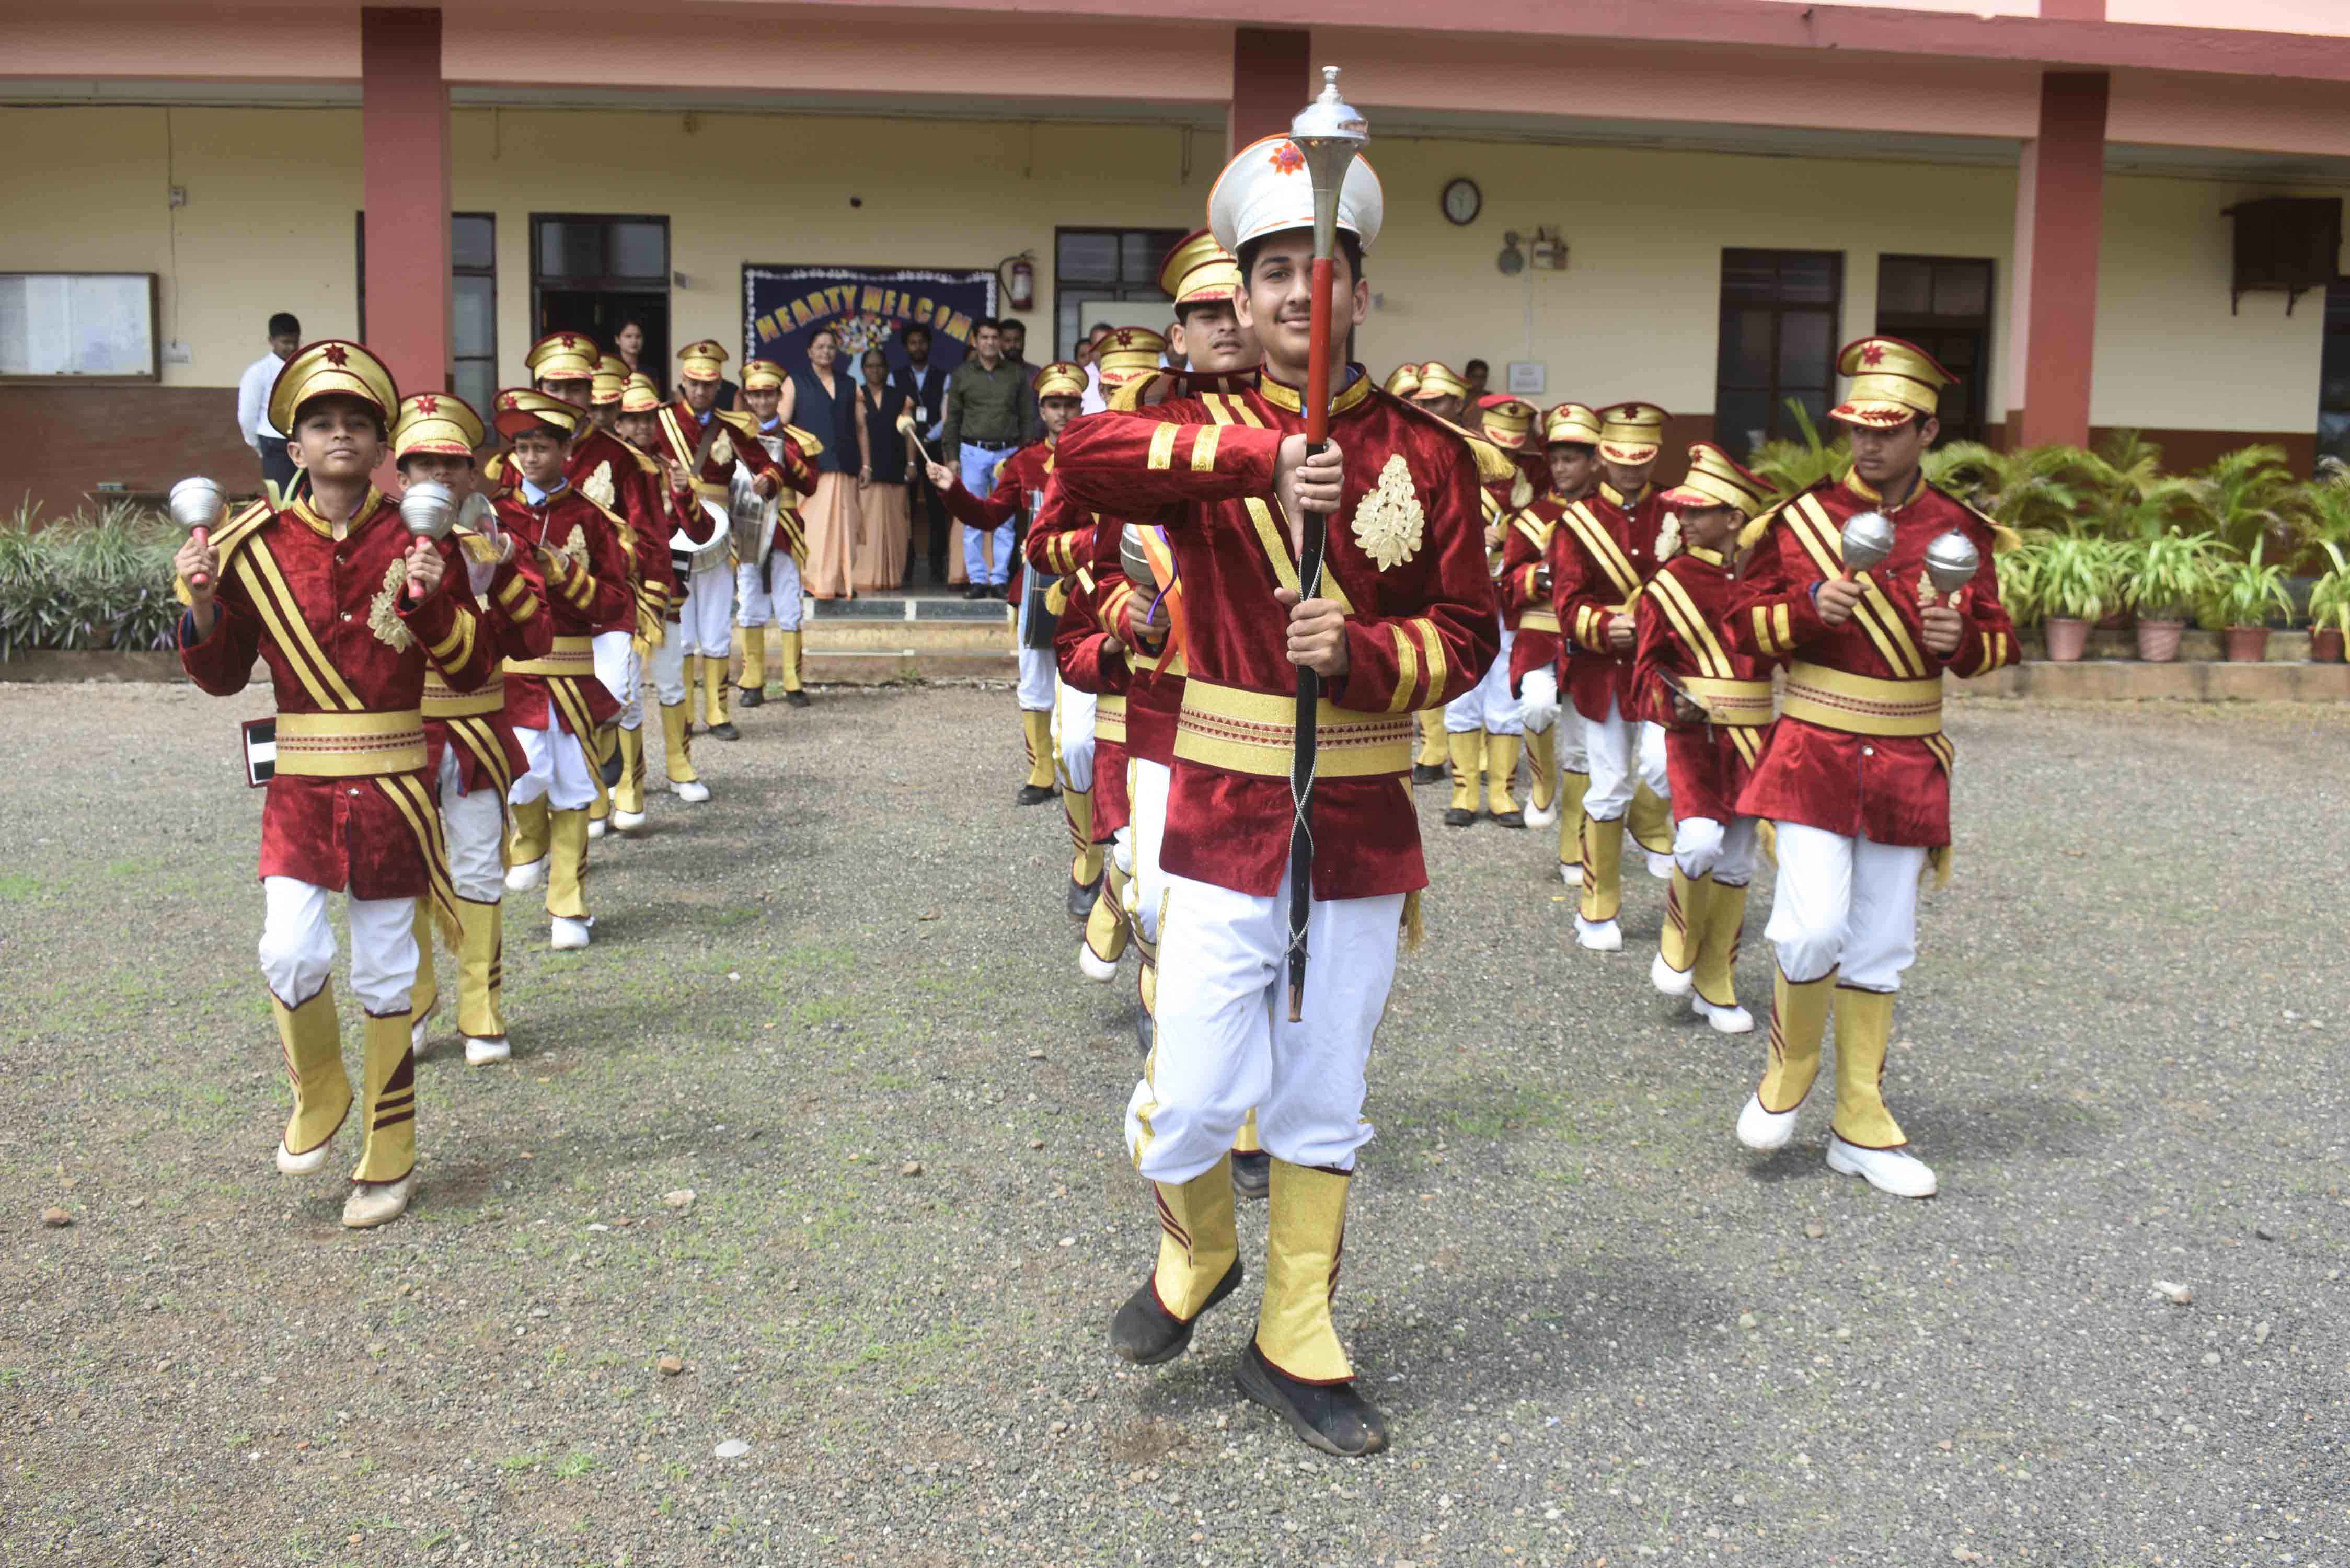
[1199,1265]
[629,794]
[1106,931]
[1466,750]
[1246,1141]
[1685,903]
[1572,788]
[790,657]
[566,872]
[1306,1227]
[693,711]
[1500,770]
[1542,769]
[1086,867]
[713,690]
[481,971]
[755,659]
[424,995]
[1036,729]
[677,751]
[1603,869]
[1799,1020]
[387,1165]
[1650,817]
[1717,945]
[312,1038]
[1864,1030]
[1431,738]
[526,838]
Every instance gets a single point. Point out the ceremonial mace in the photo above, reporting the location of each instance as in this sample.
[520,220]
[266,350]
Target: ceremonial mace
[1867,540]
[1950,564]
[196,504]
[1330,132]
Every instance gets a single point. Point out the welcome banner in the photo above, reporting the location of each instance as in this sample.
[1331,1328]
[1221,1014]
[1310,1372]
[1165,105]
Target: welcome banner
[870,306]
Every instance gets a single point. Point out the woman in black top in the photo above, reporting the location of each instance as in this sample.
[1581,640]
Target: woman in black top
[881,552]
[822,401]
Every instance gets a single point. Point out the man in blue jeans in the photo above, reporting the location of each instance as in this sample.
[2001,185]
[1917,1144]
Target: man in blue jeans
[989,417]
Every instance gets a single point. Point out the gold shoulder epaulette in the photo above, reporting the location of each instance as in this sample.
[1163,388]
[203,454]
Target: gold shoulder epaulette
[1751,534]
[748,424]
[2002,537]
[477,549]
[1127,399]
[806,440]
[228,537]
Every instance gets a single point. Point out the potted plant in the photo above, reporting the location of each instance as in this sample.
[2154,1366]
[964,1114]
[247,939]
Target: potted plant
[2019,591]
[2329,607]
[2163,576]
[2076,579]
[2247,497]
[2249,593]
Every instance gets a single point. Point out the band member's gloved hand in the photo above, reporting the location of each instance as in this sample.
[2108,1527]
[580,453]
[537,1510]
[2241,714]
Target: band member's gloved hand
[1317,634]
[1538,698]
[1943,627]
[1306,484]
[1835,600]
[767,483]
[424,565]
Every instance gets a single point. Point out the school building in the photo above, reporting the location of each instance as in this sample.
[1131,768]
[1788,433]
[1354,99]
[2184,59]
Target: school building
[2101,213]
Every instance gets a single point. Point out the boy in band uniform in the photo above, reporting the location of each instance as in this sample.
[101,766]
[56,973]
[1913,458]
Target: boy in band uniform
[1571,452]
[665,665]
[471,749]
[570,548]
[1408,620]
[1714,702]
[348,612]
[1484,729]
[770,545]
[1857,775]
[1428,764]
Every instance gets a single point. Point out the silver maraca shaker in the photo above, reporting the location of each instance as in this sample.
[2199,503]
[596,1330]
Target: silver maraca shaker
[1867,540]
[196,505]
[1951,562]
[429,510]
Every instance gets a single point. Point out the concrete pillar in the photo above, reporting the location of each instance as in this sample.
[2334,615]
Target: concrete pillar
[1273,78]
[2059,221]
[404,137]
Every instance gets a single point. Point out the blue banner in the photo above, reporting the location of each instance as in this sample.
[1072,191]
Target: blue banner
[870,306]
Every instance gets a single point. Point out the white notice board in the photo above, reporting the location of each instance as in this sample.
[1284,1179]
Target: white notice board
[77,324]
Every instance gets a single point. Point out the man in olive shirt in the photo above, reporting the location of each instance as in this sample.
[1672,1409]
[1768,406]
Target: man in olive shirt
[989,416]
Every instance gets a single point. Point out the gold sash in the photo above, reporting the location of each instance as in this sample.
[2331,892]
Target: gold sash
[441,703]
[1862,704]
[1110,717]
[1746,702]
[1244,731]
[1538,618]
[351,745]
[570,654]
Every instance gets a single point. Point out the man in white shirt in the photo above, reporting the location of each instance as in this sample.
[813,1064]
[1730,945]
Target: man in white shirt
[253,426]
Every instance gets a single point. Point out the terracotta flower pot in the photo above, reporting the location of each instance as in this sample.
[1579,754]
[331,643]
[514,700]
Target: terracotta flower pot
[2325,645]
[2067,638]
[2157,640]
[2246,644]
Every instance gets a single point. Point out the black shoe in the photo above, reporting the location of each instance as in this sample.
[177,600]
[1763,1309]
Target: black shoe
[1147,1333]
[1459,816]
[1081,898]
[1035,794]
[1252,1173]
[1427,773]
[725,731]
[1146,1029]
[999,590]
[976,591]
[1330,1417]
[796,697]
[749,696]
[1511,819]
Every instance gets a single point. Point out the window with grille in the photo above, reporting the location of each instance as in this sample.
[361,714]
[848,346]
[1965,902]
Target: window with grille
[1943,305]
[1103,266]
[1779,315]
[472,304]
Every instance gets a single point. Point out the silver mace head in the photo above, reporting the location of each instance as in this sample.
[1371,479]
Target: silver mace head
[429,509]
[1867,540]
[1951,562]
[1329,131]
[197,503]
[1134,560]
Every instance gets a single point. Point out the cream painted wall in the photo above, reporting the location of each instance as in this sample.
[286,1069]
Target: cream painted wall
[271,193]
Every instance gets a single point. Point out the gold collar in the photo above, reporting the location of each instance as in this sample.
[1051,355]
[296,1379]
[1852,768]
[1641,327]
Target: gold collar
[1610,495]
[1289,399]
[1868,493]
[1711,557]
[324,526]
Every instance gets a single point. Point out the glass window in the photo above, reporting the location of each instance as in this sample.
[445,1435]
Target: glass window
[570,248]
[2334,377]
[1905,284]
[638,250]
[1778,342]
[1088,255]
[472,372]
[473,241]
[1103,265]
[1942,304]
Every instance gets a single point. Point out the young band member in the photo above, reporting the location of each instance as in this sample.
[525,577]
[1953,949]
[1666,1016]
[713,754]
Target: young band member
[348,612]
[1484,729]
[1714,702]
[471,752]
[698,444]
[700,596]
[570,549]
[1602,550]
[1406,619]
[1428,764]
[769,541]
[1857,775]
[1571,450]
[1020,482]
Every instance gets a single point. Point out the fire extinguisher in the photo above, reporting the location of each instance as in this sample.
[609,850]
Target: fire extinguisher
[1018,274]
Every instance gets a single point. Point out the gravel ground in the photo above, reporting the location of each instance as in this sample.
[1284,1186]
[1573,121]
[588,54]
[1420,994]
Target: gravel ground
[839,1005]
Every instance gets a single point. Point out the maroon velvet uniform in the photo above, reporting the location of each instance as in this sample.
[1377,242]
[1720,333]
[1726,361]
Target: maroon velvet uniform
[1890,789]
[1683,633]
[1082,650]
[1021,481]
[333,622]
[1526,602]
[515,618]
[1584,592]
[580,596]
[1420,629]
[677,432]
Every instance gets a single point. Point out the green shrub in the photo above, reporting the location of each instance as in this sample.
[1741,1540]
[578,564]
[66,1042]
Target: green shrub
[84,581]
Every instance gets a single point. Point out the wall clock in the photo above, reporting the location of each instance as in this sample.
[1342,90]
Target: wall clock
[1464,201]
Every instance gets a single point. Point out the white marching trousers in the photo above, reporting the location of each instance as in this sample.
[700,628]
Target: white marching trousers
[1620,756]
[707,618]
[1488,705]
[557,767]
[618,670]
[1037,669]
[1703,847]
[1567,744]
[1845,902]
[1225,1045]
[1073,737]
[769,596]
[665,667]
[1147,783]
[297,945]
[476,828]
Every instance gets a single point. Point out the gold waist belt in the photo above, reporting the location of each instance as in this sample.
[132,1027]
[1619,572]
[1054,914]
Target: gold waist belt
[440,702]
[351,745]
[1862,704]
[569,656]
[1110,717]
[1729,702]
[1538,619]
[1255,733]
